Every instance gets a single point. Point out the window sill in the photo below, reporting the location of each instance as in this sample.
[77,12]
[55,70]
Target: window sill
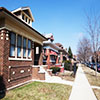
[20,59]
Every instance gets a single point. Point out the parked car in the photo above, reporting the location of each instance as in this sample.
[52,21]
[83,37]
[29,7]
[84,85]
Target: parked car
[98,67]
[92,65]
[89,65]
[86,64]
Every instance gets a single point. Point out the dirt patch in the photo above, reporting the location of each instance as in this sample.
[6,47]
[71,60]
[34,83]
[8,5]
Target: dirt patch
[97,93]
[67,75]
[93,80]
[90,73]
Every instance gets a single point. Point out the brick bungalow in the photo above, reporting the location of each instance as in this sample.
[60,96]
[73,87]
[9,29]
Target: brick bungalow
[64,52]
[20,47]
[53,54]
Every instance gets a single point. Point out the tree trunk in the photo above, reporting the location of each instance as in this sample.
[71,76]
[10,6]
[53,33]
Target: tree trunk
[96,67]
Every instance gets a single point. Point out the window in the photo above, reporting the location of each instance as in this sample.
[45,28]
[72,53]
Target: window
[53,59]
[37,50]
[44,57]
[26,19]
[29,21]
[24,47]
[44,50]
[19,44]
[23,16]
[12,44]
[29,48]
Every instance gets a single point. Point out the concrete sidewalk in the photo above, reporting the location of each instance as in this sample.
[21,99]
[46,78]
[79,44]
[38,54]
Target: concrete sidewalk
[81,88]
[53,79]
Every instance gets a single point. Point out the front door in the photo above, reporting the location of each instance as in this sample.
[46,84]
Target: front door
[37,52]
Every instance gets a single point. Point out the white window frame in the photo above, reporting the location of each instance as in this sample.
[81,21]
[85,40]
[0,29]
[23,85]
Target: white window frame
[22,57]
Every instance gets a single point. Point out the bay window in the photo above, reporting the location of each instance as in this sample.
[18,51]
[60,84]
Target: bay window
[20,47]
[12,44]
[29,48]
[19,44]
[24,47]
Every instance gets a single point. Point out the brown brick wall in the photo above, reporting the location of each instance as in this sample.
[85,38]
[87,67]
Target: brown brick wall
[17,65]
[2,33]
[11,69]
[35,71]
[36,74]
[41,76]
[19,74]
[18,81]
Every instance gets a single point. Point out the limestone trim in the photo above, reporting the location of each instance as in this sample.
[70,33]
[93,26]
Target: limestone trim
[20,59]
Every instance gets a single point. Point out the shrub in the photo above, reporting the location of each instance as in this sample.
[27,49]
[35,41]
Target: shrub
[55,69]
[67,65]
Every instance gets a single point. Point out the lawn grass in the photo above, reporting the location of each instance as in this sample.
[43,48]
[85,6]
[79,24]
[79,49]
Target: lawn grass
[90,73]
[68,75]
[39,91]
[97,93]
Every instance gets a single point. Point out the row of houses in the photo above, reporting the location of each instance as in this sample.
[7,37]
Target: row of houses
[53,53]
[23,49]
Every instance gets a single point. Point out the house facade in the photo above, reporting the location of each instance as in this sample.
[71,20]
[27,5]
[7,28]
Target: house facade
[64,54]
[20,46]
[53,54]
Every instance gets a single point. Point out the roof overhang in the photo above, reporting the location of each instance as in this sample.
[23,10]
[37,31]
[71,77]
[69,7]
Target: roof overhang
[48,43]
[4,13]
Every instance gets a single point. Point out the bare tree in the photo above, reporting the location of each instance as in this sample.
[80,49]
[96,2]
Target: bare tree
[93,29]
[84,49]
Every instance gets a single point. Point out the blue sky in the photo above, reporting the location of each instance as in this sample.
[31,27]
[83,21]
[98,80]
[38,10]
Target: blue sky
[64,18]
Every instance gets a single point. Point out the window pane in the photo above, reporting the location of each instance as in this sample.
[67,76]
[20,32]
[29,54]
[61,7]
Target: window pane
[13,38]
[19,40]
[23,16]
[19,52]
[29,21]
[26,19]
[44,50]
[37,50]
[12,51]
[29,44]
[24,52]
[29,53]
[52,57]
[24,42]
